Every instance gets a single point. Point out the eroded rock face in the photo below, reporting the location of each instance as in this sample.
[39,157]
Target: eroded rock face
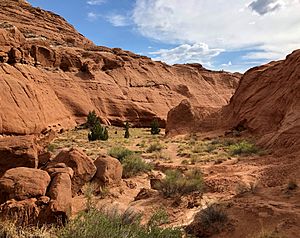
[23,183]
[21,151]
[267,101]
[109,171]
[83,167]
[266,104]
[52,77]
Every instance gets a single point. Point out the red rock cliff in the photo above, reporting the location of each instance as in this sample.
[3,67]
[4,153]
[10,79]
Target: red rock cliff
[51,77]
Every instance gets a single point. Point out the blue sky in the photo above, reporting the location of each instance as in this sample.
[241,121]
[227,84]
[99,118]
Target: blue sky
[233,35]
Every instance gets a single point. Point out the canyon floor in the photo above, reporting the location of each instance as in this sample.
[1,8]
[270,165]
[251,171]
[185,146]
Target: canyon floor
[255,189]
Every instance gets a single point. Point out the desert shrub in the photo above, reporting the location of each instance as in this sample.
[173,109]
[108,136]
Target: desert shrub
[210,148]
[160,217]
[119,152]
[207,222]
[243,148]
[98,133]
[154,147]
[134,165]
[10,230]
[155,130]
[92,119]
[175,183]
[126,135]
[112,224]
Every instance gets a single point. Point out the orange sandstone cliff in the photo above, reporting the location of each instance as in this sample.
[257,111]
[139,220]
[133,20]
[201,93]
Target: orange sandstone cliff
[51,77]
[266,104]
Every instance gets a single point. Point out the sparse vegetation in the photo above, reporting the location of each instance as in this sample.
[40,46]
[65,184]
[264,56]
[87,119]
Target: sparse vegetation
[119,152]
[154,147]
[113,224]
[133,165]
[175,183]
[243,148]
[10,230]
[155,130]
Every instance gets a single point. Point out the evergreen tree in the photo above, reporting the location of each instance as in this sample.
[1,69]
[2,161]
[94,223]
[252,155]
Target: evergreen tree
[126,130]
[92,119]
[155,127]
[98,132]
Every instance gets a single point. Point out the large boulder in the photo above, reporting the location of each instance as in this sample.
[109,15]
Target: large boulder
[18,151]
[60,192]
[109,171]
[83,167]
[22,183]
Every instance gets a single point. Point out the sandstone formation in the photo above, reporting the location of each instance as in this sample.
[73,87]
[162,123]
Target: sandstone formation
[21,151]
[109,171]
[266,104]
[52,76]
[60,192]
[83,167]
[23,183]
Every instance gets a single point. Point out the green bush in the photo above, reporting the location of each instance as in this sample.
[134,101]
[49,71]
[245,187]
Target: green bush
[155,130]
[119,152]
[98,132]
[175,183]
[112,224]
[243,148]
[134,165]
[154,147]
[92,119]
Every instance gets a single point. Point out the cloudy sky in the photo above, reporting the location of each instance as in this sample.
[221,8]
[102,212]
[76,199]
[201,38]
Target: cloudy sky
[232,35]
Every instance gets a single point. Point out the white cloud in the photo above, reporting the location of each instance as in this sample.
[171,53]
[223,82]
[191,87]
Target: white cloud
[222,24]
[186,53]
[227,65]
[92,16]
[95,2]
[118,20]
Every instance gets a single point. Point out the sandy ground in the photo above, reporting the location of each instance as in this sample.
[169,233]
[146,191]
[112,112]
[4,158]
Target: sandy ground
[253,190]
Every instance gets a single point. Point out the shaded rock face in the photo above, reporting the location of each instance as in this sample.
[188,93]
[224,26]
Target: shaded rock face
[52,77]
[109,171]
[23,183]
[184,117]
[21,151]
[83,167]
[266,104]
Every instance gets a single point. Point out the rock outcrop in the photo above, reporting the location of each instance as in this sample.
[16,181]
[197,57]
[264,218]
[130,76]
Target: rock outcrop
[23,183]
[20,151]
[109,171]
[266,104]
[83,167]
[52,76]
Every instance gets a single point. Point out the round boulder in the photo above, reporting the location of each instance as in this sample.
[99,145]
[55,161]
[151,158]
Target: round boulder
[23,183]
